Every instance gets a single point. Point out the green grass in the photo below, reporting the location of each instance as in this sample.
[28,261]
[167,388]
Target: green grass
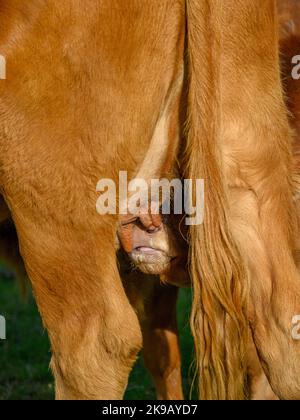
[25,355]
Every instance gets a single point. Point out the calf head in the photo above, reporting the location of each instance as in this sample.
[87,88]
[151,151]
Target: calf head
[161,251]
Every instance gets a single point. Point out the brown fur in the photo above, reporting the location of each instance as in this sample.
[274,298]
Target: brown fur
[241,145]
[65,113]
[219,322]
[73,111]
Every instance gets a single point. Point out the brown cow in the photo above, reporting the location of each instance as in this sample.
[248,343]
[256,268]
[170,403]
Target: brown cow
[90,91]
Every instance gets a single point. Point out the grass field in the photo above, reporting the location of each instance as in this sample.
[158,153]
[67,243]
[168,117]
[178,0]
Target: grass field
[25,355]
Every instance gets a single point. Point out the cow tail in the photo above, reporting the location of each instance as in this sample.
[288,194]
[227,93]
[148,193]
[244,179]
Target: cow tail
[219,314]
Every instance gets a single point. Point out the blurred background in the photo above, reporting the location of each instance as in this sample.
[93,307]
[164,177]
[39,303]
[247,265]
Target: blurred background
[25,355]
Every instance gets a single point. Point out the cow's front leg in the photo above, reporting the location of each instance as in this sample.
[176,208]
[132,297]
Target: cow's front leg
[94,332]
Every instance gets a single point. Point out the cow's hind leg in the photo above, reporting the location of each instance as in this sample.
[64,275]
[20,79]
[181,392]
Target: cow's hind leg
[83,305]
[259,171]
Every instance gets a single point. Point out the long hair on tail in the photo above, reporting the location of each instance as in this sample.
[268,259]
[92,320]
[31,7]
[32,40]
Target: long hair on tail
[220,282]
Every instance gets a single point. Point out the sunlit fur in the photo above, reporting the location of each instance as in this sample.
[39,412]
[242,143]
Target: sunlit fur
[86,86]
[219,318]
[239,140]
[74,111]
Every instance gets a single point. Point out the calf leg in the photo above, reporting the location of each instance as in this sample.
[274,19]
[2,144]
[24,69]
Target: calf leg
[161,343]
[156,307]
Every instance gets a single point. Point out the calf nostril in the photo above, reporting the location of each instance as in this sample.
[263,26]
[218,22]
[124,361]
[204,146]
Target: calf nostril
[152,230]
